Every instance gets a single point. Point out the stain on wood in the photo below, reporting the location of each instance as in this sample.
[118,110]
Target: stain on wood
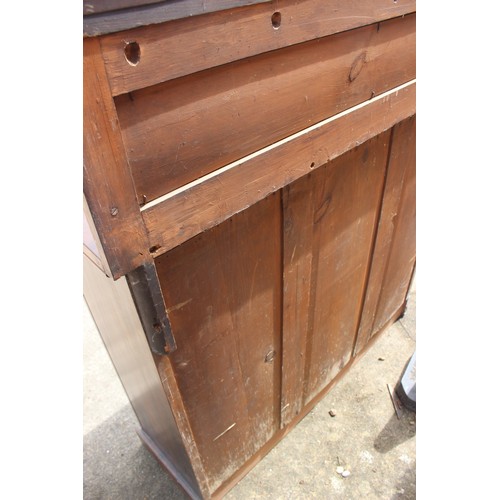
[395,248]
[176,132]
[330,218]
[229,280]
[213,199]
[107,182]
[186,46]
[259,164]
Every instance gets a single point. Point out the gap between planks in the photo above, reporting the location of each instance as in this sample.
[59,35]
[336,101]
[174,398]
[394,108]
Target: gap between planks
[290,138]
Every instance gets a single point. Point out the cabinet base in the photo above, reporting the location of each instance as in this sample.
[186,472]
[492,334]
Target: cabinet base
[168,465]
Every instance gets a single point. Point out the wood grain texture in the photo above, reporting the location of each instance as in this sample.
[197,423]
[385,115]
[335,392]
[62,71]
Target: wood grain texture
[114,313]
[181,130]
[176,401]
[107,183]
[118,15]
[298,230]
[225,487]
[395,248]
[223,294]
[213,199]
[330,219]
[186,46]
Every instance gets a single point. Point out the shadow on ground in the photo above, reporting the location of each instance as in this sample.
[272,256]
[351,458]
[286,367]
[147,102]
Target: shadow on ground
[118,467]
[406,486]
[365,437]
[396,431]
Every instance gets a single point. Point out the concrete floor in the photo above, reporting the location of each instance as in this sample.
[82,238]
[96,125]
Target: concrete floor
[365,437]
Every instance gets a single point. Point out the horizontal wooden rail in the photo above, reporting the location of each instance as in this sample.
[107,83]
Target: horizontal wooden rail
[180,130]
[177,48]
[178,216]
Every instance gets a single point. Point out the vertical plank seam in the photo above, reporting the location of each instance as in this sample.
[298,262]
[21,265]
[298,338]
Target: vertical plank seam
[315,247]
[234,336]
[281,305]
[372,246]
[391,244]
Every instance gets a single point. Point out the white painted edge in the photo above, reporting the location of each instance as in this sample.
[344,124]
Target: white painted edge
[292,137]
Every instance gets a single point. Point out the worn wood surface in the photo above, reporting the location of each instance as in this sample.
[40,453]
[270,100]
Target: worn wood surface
[395,249]
[145,288]
[186,46]
[204,204]
[330,218]
[112,308]
[182,419]
[225,487]
[223,295]
[298,235]
[117,15]
[107,182]
[178,131]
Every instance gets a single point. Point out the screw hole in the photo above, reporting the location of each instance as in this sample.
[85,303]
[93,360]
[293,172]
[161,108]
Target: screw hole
[312,165]
[276,20]
[154,248]
[132,53]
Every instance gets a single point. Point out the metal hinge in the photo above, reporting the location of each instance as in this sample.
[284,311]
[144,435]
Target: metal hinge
[145,287]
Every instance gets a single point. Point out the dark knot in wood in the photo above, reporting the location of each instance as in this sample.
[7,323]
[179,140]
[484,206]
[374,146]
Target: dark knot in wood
[357,66]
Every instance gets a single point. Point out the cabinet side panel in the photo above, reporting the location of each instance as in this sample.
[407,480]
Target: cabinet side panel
[223,294]
[395,248]
[114,313]
[327,251]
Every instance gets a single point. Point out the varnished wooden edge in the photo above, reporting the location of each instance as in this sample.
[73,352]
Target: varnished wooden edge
[248,466]
[168,464]
[255,36]
[155,13]
[175,400]
[185,212]
[107,181]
